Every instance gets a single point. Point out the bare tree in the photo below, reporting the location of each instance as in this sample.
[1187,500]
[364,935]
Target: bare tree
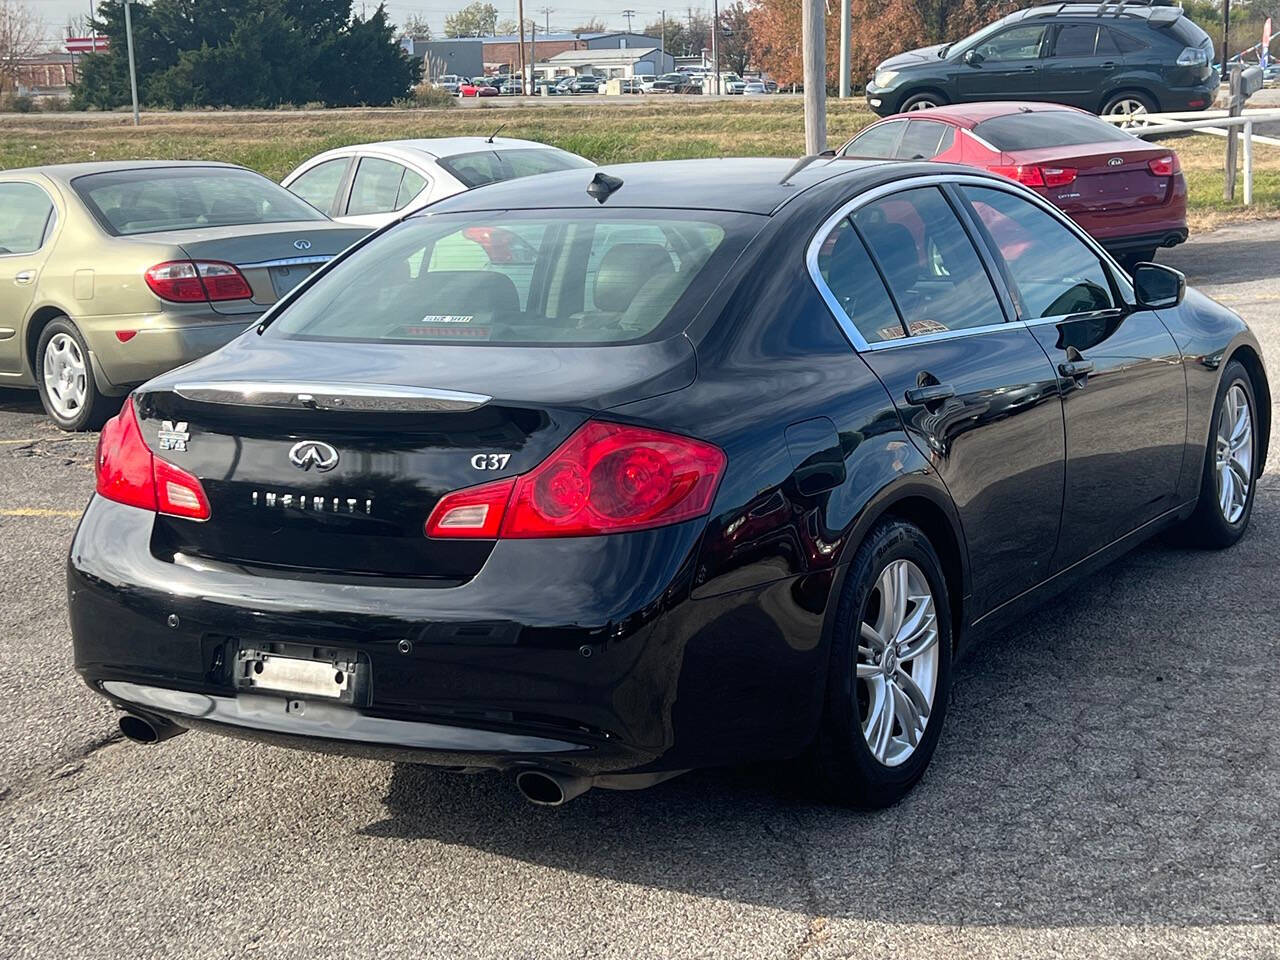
[20,37]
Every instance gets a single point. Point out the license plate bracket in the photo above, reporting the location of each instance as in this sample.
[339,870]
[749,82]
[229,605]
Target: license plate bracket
[284,279]
[302,671]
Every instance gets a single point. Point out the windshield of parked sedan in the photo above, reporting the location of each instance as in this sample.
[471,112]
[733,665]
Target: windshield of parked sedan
[1047,128]
[493,166]
[523,277]
[151,199]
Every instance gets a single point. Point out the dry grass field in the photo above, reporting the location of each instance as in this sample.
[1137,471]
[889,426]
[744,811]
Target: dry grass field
[650,129]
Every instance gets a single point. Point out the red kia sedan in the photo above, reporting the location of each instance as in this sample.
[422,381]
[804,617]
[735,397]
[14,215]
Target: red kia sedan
[1129,194]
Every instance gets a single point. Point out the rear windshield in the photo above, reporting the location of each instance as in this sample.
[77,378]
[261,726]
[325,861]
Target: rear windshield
[491,166]
[524,277]
[1047,128]
[1189,32]
[150,200]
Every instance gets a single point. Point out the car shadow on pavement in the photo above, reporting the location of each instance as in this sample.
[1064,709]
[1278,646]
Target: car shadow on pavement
[1112,760]
[20,401]
[1224,262]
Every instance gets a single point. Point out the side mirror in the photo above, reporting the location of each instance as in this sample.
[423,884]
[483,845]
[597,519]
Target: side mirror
[1156,286]
[973,57]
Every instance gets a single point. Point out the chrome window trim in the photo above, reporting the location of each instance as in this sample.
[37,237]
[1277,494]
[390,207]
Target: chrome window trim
[355,397]
[846,324]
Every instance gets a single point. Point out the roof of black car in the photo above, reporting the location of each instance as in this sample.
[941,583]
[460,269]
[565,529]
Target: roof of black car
[1142,11]
[755,185]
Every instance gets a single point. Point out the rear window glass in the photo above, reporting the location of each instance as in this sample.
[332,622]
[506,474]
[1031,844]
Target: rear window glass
[1047,128]
[493,166]
[1189,32]
[523,277]
[150,200]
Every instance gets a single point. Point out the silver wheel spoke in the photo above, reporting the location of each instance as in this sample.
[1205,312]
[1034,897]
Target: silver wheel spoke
[913,692]
[867,671]
[884,732]
[1234,453]
[905,710]
[872,636]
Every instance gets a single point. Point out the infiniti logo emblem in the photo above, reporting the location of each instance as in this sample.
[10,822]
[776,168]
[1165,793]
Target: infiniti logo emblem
[302,244]
[306,454]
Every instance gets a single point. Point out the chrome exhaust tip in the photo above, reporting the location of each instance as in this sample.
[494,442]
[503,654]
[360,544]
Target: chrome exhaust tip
[147,730]
[548,789]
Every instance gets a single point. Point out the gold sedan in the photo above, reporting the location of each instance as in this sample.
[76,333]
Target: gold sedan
[112,273]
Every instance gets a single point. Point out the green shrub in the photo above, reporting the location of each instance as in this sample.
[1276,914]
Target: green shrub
[428,95]
[18,103]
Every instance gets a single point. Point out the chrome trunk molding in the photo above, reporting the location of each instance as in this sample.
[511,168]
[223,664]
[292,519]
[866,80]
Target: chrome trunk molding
[354,397]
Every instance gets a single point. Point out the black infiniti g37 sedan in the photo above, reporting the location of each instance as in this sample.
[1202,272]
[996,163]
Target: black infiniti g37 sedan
[657,467]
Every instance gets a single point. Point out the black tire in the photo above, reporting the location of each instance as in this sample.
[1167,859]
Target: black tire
[923,101]
[842,764]
[1207,527]
[90,413]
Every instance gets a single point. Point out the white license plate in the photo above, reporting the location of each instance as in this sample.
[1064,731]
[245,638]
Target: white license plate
[305,678]
[284,279]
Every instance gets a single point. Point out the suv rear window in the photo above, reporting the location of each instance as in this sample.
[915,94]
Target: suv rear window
[1046,128]
[523,277]
[151,199]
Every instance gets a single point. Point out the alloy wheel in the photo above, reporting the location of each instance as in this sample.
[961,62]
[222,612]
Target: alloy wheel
[897,666]
[1234,454]
[65,375]
[1133,111]
[921,105]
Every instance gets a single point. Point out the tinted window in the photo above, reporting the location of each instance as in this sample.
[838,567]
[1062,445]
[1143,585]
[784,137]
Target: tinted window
[1047,128]
[948,139]
[854,282]
[1127,42]
[151,199]
[523,277]
[412,185]
[921,140]
[26,213]
[1107,43]
[527,163]
[376,187]
[1020,43]
[1054,272]
[1075,40]
[319,185]
[932,269]
[878,141]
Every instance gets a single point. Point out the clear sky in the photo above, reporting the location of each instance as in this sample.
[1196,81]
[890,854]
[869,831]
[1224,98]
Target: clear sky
[565,14]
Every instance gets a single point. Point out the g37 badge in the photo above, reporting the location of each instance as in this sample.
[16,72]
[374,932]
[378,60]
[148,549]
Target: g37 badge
[173,436]
[490,461]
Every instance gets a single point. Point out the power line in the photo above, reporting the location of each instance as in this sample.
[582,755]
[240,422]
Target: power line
[628,14]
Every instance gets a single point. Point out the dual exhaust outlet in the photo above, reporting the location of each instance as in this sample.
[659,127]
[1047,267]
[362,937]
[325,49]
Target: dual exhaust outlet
[545,788]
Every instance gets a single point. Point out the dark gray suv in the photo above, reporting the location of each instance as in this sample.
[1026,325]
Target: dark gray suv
[1106,58]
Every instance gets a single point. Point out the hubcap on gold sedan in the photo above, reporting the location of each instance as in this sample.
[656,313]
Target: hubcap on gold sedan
[65,375]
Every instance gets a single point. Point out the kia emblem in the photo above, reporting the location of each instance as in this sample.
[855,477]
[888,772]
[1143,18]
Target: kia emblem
[302,244]
[1113,162]
[306,454]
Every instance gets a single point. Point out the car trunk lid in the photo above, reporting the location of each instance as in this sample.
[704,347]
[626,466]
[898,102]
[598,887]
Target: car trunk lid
[336,475]
[1110,177]
[274,258]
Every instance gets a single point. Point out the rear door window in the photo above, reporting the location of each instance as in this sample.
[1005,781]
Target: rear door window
[855,284]
[929,262]
[922,140]
[877,142]
[1076,40]
[319,185]
[376,187]
[412,185]
[26,216]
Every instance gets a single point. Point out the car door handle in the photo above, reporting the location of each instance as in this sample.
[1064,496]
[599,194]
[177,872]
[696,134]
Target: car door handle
[1076,368]
[1109,65]
[930,394]
[26,276]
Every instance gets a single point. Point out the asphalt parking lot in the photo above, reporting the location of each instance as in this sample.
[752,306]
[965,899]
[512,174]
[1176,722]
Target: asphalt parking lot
[1109,786]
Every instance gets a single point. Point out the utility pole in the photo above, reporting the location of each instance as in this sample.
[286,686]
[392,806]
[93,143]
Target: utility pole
[520,18]
[715,46]
[1226,36]
[133,72]
[533,55]
[813,33]
[846,28]
[546,12]
[628,14]
[662,43]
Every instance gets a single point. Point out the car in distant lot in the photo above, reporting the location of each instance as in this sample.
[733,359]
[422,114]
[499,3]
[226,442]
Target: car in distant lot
[1123,59]
[371,184]
[111,273]
[754,88]
[1129,194]
[478,87]
[697,463]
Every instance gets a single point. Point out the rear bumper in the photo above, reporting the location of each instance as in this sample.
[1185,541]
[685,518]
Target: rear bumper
[584,655]
[157,344]
[1170,237]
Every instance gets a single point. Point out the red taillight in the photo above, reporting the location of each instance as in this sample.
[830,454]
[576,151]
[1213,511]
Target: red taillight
[606,478]
[129,473]
[1033,176]
[197,281]
[124,336]
[1165,166]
